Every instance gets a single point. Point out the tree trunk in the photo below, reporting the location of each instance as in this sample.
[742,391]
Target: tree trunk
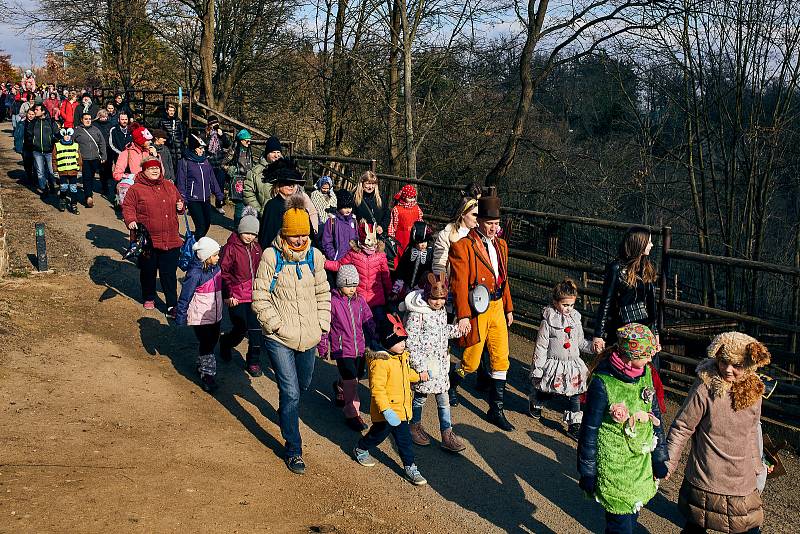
[392,122]
[207,53]
[408,94]
[534,28]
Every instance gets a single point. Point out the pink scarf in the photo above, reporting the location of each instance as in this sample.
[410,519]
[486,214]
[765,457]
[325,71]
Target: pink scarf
[625,367]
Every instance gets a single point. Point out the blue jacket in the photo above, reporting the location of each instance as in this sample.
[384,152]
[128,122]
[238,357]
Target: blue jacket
[201,295]
[195,179]
[595,409]
[19,136]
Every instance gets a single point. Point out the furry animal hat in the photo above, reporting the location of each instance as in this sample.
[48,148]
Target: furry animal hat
[740,350]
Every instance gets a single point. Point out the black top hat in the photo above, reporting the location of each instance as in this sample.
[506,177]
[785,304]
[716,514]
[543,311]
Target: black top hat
[489,207]
[283,171]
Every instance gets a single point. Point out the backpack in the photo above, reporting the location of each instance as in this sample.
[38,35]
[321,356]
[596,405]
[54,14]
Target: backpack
[280,262]
[391,247]
[122,189]
[186,255]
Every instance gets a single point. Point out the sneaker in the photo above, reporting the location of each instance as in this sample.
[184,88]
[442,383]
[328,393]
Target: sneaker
[363,457]
[208,383]
[414,476]
[296,465]
[534,410]
[62,204]
[418,435]
[221,210]
[89,202]
[574,430]
[254,370]
[149,305]
[338,394]
[74,208]
[356,423]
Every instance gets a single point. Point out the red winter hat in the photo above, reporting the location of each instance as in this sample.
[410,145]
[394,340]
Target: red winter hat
[151,163]
[141,135]
[408,191]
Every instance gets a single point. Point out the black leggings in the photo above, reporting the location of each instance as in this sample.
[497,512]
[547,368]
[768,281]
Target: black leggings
[200,213]
[351,368]
[245,323]
[207,335]
[165,264]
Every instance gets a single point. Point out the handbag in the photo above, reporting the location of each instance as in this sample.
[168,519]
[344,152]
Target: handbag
[186,255]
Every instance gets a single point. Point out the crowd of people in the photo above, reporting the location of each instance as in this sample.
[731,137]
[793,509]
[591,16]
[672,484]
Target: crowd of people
[362,279]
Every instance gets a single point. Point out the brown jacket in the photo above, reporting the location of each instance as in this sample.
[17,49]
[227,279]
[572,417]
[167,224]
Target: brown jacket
[725,455]
[470,265]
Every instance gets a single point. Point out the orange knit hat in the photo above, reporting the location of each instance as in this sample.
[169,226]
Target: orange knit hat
[295,218]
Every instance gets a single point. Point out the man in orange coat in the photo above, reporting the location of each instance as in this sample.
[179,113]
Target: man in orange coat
[481,258]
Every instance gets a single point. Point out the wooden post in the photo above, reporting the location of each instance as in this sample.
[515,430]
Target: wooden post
[795,295]
[373,166]
[191,99]
[666,244]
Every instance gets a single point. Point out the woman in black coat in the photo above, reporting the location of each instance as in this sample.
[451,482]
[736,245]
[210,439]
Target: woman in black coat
[369,204]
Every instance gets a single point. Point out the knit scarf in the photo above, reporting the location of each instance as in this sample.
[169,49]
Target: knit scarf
[288,248]
[624,367]
[408,202]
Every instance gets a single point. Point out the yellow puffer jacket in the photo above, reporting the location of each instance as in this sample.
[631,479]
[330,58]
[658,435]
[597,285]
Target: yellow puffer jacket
[298,310]
[390,378]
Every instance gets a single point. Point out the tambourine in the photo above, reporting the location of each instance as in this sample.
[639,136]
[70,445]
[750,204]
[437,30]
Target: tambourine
[479,298]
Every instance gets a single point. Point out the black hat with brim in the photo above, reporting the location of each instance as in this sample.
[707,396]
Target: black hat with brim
[282,172]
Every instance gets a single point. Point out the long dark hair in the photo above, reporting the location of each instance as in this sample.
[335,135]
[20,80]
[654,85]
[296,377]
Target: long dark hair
[631,254]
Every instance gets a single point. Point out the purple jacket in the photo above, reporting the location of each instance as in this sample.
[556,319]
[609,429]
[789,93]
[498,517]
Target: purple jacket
[201,296]
[349,318]
[337,234]
[239,263]
[196,180]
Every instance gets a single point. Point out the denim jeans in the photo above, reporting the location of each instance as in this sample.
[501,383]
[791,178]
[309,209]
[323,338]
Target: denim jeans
[620,523]
[44,168]
[443,404]
[380,430]
[293,372]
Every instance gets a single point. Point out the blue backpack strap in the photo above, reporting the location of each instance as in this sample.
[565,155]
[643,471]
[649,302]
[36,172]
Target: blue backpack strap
[278,266]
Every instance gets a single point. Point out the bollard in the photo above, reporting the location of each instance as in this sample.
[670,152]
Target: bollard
[41,249]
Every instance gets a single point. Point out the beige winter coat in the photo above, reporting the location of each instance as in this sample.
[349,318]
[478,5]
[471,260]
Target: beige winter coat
[719,489]
[298,310]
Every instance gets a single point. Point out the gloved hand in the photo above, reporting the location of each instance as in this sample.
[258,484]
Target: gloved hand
[588,484]
[391,417]
[660,470]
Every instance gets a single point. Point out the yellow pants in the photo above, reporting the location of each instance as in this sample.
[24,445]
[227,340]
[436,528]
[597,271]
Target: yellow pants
[493,332]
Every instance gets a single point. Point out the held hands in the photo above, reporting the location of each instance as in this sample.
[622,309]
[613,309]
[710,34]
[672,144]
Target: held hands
[133,225]
[464,326]
[424,376]
[598,345]
[658,343]
[231,302]
[391,417]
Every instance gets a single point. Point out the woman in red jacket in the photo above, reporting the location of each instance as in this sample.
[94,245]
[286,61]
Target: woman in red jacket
[67,109]
[404,215]
[154,203]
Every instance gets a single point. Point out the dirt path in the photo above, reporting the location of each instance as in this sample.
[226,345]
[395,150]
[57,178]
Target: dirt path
[105,430]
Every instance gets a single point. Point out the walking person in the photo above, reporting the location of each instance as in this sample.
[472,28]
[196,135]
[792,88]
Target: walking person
[164,154]
[23,145]
[67,164]
[43,135]
[403,216]
[200,306]
[285,182]
[217,145]
[176,133]
[241,256]
[67,109]
[257,187]
[154,203]
[369,205]
[324,199]
[291,298]
[86,106]
[196,183]
[103,124]
[241,166]
[721,418]
[92,146]
[120,135]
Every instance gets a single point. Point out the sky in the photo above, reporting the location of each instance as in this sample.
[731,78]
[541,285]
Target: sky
[20,47]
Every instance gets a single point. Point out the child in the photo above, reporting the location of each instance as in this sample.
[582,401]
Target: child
[240,259]
[428,335]
[67,163]
[721,415]
[621,448]
[346,342]
[557,367]
[390,378]
[367,255]
[403,216]
[324,199]
[200,306]
[339,231]
[415,261]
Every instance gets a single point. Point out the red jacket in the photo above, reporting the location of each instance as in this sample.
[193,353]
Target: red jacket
[51,105]
[374,282]
[152,204]
[402,219]
[239,263]
[67,111]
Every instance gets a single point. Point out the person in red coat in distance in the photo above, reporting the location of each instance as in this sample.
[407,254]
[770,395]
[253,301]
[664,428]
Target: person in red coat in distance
[404,215]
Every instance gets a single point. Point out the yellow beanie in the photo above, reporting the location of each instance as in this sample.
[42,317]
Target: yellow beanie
[295,218]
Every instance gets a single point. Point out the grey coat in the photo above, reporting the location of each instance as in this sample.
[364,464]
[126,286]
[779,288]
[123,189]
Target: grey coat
[91,142]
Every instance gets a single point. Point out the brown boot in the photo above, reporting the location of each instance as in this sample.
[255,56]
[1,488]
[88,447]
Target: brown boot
[451,442]
[418,435]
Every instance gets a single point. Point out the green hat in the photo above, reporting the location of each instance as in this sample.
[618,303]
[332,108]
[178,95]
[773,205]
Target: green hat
[636,341]
[243,134]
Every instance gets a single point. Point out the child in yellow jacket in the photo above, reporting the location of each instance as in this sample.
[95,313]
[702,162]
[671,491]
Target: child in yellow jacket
[390,378]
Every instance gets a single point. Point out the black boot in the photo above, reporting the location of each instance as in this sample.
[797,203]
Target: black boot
[455,380]
[495,414]
[225,349]
[483,380]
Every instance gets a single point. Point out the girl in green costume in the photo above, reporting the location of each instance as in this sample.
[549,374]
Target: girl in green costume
[621,448]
